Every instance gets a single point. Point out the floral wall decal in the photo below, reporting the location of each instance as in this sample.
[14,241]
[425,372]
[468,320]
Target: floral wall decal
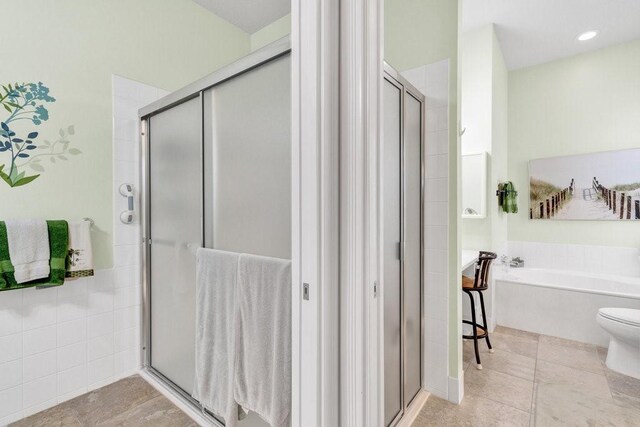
[25,107]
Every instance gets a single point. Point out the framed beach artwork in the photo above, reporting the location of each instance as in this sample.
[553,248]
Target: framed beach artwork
[597,186]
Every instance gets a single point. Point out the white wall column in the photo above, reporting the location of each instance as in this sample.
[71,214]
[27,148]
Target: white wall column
[315,151]
[361,50]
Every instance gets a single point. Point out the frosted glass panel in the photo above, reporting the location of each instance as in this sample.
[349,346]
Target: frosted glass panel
[391,223]
[412,230]
[175,179]
[248,145]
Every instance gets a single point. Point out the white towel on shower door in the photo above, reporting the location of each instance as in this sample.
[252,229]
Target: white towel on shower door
[29,251]
[263,338]
[215,332]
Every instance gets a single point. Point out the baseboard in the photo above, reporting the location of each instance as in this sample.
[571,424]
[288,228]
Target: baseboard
[183,404]
[442,393]
[414,409]
[456,389]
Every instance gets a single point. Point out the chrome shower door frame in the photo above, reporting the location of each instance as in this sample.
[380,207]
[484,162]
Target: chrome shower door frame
[194,90]
[395,78]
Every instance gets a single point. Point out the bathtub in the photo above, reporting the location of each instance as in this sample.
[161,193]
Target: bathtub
[560,303]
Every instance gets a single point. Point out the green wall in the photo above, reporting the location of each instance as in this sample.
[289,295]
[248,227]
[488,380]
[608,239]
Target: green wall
[476,65]
[582,104]
[272,32]
[484,109]
[419,32]
[74,46]
[499,167]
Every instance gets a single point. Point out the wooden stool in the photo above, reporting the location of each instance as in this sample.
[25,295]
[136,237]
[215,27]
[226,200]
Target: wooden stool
[478,284]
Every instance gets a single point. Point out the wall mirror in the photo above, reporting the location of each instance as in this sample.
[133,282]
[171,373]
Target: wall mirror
[474,185]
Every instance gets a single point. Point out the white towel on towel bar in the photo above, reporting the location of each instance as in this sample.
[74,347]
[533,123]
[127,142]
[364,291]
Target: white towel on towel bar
[263,338]
[80,251]
[29,251]
[215,332]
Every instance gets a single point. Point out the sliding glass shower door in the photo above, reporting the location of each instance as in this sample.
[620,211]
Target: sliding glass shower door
[218,175]
[175,207]
[247,134]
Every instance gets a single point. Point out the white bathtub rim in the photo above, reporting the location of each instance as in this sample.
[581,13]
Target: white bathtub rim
[510,278]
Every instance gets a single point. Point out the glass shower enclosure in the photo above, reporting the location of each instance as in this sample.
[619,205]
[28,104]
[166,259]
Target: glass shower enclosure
[216,174]
[403,200]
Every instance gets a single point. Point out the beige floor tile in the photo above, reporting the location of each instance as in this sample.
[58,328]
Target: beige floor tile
[559,405]
[58,416]
[105,403]
[566,343]
[128,402]
[511,343]
[512,391]
[552,373]
[602,355]
[586,360]
[157,412]
[524,346]
[467,351]
[517,333]
[474,411]
[510,363]
[627,401]
[623,384]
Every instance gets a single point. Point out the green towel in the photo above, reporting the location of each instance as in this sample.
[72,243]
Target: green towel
[510,204]
[7,279]
[58,246]
[501,193]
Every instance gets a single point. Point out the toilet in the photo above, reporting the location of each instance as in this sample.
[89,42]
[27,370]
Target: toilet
[623,325]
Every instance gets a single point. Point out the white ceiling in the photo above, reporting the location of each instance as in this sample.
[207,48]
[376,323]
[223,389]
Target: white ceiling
[533,32]
[248,15]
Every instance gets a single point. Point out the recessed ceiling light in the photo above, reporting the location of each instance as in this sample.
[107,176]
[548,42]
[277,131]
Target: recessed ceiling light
[587,35]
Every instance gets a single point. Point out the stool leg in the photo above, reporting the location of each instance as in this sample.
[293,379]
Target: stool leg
[484,320]
[475,330]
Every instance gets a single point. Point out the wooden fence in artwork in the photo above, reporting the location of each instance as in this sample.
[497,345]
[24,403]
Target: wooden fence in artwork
[551,206]
[624,205]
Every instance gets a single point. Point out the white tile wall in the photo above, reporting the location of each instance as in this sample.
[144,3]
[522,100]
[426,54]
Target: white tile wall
[48,346]
[58,343]
[433,81]
[584,258]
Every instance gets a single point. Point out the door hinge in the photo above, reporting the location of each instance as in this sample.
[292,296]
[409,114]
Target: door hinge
[305,291]
[375,289]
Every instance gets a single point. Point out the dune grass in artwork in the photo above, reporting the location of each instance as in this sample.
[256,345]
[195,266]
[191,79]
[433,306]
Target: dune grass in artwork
[627,187]
[601,186]
[541,190]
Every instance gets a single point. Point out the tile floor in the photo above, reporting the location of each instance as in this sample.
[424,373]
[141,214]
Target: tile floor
[128,402]
[537,380]
[530,380]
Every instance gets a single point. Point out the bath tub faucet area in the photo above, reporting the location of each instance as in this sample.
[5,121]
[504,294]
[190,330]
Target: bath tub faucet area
[516,262]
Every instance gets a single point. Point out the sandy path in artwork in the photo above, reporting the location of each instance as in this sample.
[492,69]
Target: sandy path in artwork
[585,204]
